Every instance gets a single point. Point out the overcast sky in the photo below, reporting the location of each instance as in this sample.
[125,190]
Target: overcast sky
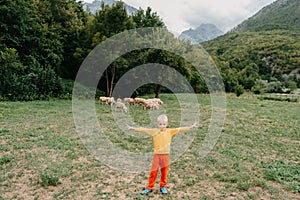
[180,15]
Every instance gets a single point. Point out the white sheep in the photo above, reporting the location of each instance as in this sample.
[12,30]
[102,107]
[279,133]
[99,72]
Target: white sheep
[150,104]
[120,105]
[157,100]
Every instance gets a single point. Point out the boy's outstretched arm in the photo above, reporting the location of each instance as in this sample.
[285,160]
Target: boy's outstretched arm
[141,130]
[184,129]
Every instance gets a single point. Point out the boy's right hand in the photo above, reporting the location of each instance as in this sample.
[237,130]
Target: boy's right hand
[130,127]
[195,125]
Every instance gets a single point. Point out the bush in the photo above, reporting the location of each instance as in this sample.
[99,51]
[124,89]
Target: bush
[275,87]
[49,179]
[259,87]
[25,83]
[5,159]
[292,85]
[34,83]
[239,90]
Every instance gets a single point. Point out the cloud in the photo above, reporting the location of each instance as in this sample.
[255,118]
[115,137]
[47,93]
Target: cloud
[179,15]
[224,14]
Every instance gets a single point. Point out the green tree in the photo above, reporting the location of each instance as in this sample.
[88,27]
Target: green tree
[66,21]
[107,22]
[275,87]
[114,19]
[23,30]
[169,59]
[111,20]
[28,56]
[230,79]
[147,19]
[248,76]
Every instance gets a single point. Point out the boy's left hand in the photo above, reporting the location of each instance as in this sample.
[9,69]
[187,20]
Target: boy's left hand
[195,125]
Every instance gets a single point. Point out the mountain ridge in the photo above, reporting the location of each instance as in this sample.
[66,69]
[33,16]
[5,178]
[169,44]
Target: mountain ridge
[202,33]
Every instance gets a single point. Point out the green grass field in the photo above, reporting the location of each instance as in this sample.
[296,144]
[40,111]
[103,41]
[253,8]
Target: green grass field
[257,155]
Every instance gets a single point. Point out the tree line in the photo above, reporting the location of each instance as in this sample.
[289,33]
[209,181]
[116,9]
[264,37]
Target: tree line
[44,42]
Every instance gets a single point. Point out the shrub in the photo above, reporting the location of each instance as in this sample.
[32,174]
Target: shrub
[275,87]
[5,159]
[292,85]
[25,83]
[259,87]
[49,179]
[239,90]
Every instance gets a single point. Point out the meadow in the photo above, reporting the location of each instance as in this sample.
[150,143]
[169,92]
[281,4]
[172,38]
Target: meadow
[256,156]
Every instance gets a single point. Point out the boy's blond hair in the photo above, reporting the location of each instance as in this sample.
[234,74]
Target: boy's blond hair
[162,118]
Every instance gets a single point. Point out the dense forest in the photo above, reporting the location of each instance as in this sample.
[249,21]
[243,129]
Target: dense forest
[44,42]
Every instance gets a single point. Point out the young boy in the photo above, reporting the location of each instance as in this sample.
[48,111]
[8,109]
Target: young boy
[162,137]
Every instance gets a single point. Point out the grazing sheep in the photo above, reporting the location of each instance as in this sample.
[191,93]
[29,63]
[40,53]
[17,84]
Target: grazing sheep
[102,100]
[120,105]
[106,100]
[157,100]
[139,100]
[129,101]
[110,100]
[150,104]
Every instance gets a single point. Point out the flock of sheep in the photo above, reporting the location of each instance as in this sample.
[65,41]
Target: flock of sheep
[120,104]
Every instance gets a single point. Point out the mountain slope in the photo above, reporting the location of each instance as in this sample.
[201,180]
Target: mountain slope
[244,58]
[266,46]
[272,50]
[96,5]
[203,33]
[281,14]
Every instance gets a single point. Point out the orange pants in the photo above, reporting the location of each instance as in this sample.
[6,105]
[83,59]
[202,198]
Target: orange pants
[159,161]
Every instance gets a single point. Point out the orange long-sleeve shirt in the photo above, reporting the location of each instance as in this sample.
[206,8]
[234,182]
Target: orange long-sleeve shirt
[162,138]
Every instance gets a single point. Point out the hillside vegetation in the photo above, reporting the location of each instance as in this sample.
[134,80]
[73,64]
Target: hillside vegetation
[264,47]
[269,55]
[282,14]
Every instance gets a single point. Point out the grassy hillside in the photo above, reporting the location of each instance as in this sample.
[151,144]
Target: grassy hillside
[270,50]
[256,156]
[266,46]
[268,55]
[280,15]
